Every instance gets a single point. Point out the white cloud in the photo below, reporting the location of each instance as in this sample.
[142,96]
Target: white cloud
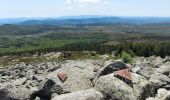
[81,6]
[69,1]
[82,1]
[69,8]
[88,1]
[106,2]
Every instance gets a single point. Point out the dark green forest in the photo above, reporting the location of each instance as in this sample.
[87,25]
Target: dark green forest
[146,49]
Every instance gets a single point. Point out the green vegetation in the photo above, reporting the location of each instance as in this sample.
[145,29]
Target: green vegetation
[127,58]
[147,48]
[142,39]
[35,46]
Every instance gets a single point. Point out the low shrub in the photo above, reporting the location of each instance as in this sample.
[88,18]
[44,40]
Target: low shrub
[126,57]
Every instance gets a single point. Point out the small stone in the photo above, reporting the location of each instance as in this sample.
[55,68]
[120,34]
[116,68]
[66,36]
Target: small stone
[37,98]
[20,81]
[62,76]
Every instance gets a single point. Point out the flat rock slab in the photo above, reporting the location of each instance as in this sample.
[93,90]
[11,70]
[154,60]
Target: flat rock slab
[90,94]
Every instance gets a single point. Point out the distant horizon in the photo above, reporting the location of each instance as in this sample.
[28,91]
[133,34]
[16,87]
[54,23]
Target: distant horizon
[86,16]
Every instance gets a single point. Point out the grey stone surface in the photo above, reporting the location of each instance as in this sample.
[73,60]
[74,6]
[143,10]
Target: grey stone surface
[110,68]
[144,69]
[90,94]
[86,80]
[78,79]
[114,88]
[159,80]
[164,69]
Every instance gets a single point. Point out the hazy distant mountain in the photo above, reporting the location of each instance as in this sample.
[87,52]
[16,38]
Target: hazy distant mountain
[101,20]
[16,20]
[75,21]
[20,20]
[78,20]
[82,17]
[11,20]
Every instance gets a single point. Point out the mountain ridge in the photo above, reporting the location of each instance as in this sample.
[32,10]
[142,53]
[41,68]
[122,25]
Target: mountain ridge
[78,20]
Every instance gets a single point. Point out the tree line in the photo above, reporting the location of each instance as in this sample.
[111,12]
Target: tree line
[146,48]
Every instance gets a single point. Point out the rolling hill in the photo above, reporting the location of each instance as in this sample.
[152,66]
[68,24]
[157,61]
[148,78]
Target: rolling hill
[83,20]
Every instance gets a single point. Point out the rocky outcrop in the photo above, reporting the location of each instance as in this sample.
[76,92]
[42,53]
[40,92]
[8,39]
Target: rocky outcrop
[27,71]
[87,80]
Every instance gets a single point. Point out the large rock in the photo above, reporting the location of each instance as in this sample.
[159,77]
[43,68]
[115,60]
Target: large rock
[83,64]
[115,89]
[110,68]
[164,69]
[159,80]
[142,87]
[90,94]
[158,60]
[79,78]
[10,92]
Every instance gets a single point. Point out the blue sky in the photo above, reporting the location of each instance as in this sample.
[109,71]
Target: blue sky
[56,8]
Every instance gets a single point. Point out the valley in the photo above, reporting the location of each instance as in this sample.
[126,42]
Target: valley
[15,39]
